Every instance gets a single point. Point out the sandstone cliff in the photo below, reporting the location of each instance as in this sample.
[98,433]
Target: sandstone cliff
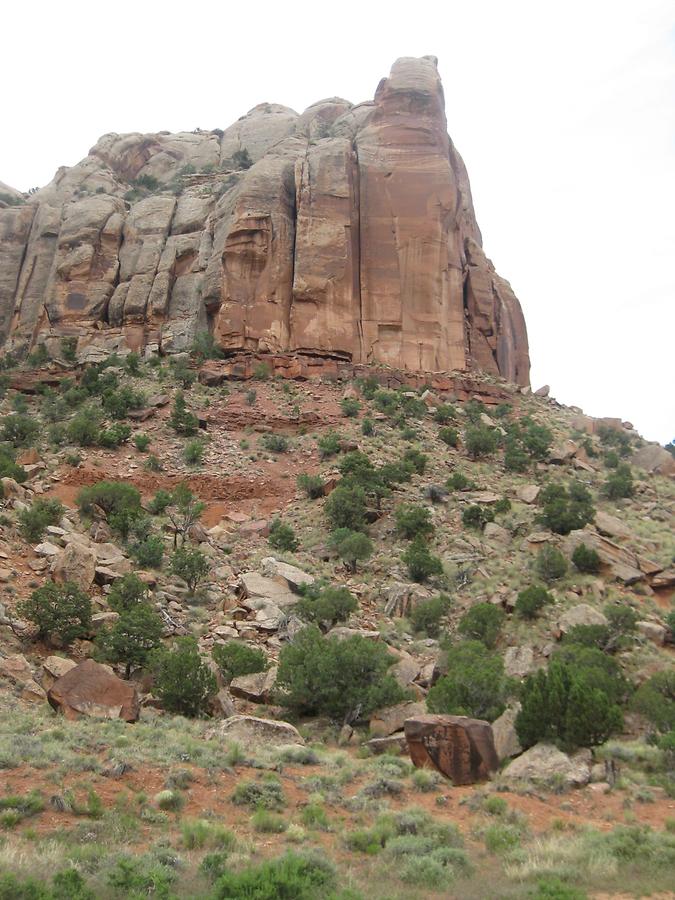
[347,231]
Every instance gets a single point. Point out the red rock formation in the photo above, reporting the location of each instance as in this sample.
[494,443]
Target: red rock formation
[93,690]
[345,232]
[458,747]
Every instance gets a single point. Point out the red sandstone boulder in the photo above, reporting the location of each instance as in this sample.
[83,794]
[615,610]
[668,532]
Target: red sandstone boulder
[93,690]
[460,748]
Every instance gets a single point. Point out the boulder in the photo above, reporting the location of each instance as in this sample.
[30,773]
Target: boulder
[76,564]
[505,735]
[610,526]
[496,534]
[223,705]
[94,690]
[393,743]
[518,661]
[654,458]
[12,490]
[458,747]
[390,719]
[405,671]
[653,631]
[252,585]
[257,687]
[664,579]
[55,667]
[622,563]
[16,669]
[528,493]
[288,576]
[581,614]
[251,732]
[547,766]
[33,693]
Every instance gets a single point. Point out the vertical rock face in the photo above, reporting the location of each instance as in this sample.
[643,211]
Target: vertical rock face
[347,231]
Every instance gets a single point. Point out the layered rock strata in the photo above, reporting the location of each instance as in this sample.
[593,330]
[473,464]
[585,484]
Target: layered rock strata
[345,232]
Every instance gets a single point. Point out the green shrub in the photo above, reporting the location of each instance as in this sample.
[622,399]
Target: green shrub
[292,876]
[274,443]
[182,420]
[113,497]
[114,436]
[346,508]
[350,407]
[337,678]
[266,822]
[193,452]
[191,565]
[154,463]
[324,605]
[445,413]
[655,700]
[477,516]
[367,427]
[84,427]
[118,403]
[183,682]
[282,536]
[503,505]
[266,793]
[502,837]
[483,623]
[159,502]
[586,559]
[204,347]
[459,482]
[8,468]
[35,519]
[619,484]
[329,444]
[531,601]
[351,546]
[426,615]
[553,888]
[422,564]
[141,442]
[449,436]
[415,461]
[132,638]
[473,411]
[564,704]
[19,430]
[413,521]
[550,564]
[61,610]
[480,441]
[597,636]
[515,458]
[565,509]
[199,833]
[170,800]
[236,658]
[149,552]
[312,485]
[127,592]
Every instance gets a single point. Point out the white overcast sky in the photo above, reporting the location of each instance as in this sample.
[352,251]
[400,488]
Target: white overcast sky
[564,113]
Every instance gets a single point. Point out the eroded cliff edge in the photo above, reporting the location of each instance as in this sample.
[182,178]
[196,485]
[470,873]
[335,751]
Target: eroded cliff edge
[346,231]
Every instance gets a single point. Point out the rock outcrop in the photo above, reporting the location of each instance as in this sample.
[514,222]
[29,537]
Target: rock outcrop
[459,747]
[345,232]
[90,689]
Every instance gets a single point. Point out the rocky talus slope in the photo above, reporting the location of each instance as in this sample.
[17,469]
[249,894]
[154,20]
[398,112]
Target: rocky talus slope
[347,231]
[112,781]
